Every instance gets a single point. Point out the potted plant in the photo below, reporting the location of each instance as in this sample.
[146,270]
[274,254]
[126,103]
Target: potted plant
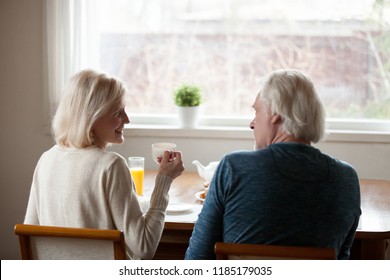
[188,99]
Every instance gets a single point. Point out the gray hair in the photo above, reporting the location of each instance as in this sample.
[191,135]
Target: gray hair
[291,94]
[88,96]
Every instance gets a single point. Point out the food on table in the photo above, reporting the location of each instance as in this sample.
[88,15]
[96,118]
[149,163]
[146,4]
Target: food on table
[206,189]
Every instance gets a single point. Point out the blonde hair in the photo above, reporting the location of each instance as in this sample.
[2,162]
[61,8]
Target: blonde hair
[88,96]
[291,94]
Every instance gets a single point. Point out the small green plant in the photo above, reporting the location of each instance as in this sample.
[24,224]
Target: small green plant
[188,96]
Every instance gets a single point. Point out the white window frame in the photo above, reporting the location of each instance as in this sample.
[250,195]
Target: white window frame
[165,125]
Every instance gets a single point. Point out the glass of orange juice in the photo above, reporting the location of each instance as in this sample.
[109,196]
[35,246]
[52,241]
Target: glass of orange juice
[136,166]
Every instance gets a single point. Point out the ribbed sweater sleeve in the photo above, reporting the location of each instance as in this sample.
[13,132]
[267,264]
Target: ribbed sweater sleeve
[160,197]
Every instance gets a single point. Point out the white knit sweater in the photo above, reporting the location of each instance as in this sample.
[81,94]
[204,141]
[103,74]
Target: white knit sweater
[92,188]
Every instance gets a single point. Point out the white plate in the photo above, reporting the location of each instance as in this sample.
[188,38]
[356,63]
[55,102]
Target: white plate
[174,208]
[197,195]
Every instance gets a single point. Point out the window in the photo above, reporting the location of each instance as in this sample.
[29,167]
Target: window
[226,46]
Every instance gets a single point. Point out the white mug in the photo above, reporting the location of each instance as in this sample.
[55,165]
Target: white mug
[158,150]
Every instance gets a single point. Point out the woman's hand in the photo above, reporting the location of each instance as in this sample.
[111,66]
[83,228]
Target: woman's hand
[171,164]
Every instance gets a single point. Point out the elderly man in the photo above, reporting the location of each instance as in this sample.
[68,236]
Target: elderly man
[286,191]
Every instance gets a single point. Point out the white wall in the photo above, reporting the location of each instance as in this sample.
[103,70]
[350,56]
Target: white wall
[371,160]
[20,112]
[23,139]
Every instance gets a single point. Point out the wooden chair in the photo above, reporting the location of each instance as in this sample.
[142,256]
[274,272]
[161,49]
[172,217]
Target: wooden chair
[52,242]
[234,251]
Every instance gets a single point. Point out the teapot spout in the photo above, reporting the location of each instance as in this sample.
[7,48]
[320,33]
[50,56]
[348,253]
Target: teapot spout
[200,168]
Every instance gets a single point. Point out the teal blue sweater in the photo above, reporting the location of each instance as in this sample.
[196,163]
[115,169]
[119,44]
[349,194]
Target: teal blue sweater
[288,194]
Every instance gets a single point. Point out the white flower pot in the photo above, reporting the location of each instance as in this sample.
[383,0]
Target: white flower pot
[188,116]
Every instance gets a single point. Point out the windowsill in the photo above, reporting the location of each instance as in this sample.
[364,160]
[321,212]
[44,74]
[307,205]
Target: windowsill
[199,132]
[217,132]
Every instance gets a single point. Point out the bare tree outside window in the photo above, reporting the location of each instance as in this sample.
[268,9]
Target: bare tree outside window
[225,47]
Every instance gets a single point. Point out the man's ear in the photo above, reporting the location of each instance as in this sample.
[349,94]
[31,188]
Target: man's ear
[276,119]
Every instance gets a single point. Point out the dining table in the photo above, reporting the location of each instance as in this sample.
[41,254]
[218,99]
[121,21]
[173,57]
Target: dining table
[185,204]
[372,238]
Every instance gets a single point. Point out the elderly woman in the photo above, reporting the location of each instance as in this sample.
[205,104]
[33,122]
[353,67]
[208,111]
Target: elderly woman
[286,191]
[78,183]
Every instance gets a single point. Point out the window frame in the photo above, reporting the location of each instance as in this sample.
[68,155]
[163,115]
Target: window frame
[165,125]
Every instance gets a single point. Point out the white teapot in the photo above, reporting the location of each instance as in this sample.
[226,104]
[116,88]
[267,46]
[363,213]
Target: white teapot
[206,172]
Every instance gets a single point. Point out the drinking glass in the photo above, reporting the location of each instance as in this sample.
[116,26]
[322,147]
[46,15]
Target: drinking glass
[137,171]
[158,150]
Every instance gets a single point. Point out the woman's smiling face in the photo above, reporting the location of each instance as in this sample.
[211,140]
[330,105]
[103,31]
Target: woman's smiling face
[109,127]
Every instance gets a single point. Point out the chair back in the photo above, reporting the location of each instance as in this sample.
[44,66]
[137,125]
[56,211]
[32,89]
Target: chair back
[52,242]
[234,251]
